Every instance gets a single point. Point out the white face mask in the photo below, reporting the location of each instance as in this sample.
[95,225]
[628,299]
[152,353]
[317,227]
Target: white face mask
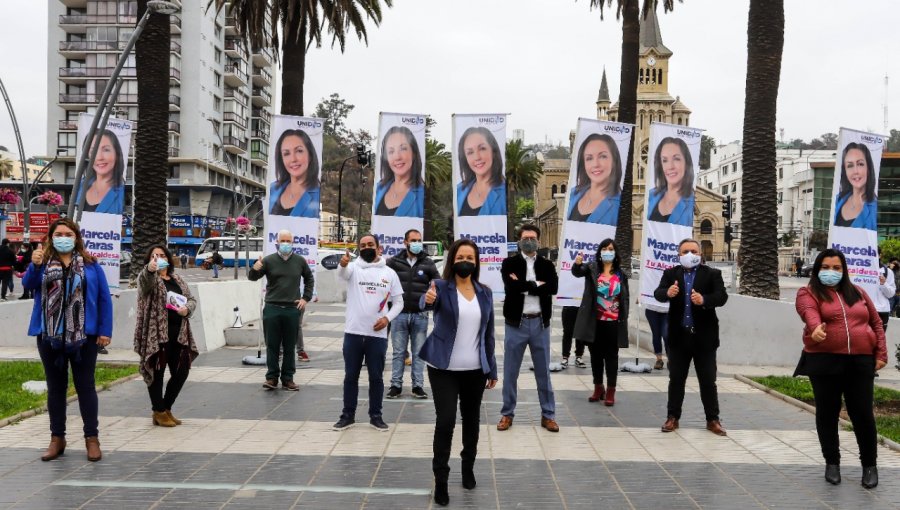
[690,260]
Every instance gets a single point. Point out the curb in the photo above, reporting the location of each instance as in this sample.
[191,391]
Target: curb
[806,407]
[42,409]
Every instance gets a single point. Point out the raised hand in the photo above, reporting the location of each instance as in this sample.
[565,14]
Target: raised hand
[431,295]
[37,256]
[345,259]
[696,298]
[673,290]
[579,258]
[151,266]
[257,266]
[818,334]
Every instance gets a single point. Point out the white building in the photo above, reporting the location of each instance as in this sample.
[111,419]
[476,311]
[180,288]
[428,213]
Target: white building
[518,134]
[329,227]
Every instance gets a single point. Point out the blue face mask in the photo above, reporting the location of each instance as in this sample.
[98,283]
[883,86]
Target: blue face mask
[64,244]
[415,248]
[285,248]
[829,277]
[162,264]
[607,256]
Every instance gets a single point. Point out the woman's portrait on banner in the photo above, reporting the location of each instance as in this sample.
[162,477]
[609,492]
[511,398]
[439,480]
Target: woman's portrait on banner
[856,203]
[596,195]
[401,188]
[482,187]
[104,191]
[672,198]
[295,191]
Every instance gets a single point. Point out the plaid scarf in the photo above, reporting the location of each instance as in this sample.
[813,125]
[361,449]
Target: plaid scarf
[62,304]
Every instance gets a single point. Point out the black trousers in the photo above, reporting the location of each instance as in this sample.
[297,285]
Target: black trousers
[178,374]
[605,352]
[680,357]
[569,315]
[447,388]
[857,390]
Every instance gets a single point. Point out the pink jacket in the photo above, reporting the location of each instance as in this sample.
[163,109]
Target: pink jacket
[853,329]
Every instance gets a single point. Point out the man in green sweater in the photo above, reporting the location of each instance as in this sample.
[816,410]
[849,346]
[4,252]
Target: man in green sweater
[281,316]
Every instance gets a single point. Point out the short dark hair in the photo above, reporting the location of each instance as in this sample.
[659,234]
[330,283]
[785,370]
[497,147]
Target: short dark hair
[687,182]
[410,231]
[451,256]
[368,234]
[166,252]
[688,240]
[529,227]
[617,262]
[5,242]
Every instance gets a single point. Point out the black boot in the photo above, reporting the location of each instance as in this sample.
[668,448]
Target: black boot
[441,495]
[870,477]
[833,473]
[468,476]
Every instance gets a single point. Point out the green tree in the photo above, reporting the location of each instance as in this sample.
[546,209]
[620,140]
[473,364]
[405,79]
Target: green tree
[889,249]
[335,111]
[438,209]
[525,207]
[707,146]
[6,168]
[523,171]
[893,143]
[300,24]
[759,239]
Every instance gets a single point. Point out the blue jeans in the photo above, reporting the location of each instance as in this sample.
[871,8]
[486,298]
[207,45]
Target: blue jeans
[531,333]
[373,349]
[408,328]
[215,268]
[659,326]
[56,368]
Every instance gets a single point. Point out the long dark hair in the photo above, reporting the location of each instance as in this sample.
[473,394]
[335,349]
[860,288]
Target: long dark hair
[118,172]
[616,264]
[687,182]
[468,176]
[846,187]
[416,171]
[312,170]
[845,288]
[166,252]
[451,257]
[582,182]
[51,253]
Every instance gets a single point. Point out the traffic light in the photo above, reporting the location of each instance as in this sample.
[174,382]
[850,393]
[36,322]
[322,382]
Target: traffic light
[728,234]
[361,157]
[726,207]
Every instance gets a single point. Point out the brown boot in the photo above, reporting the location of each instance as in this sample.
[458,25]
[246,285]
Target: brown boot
[610,396]
[162,419]
[172,417]
[598,394]
[92,444]
[57,447]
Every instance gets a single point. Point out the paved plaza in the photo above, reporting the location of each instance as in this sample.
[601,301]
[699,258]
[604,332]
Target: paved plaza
[243,447]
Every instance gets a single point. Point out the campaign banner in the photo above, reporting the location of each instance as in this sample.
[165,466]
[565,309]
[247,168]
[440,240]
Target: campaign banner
[854,209]
[103,191]
[594,192]
[294,177]
[671,179]
[398,199]
[479,189]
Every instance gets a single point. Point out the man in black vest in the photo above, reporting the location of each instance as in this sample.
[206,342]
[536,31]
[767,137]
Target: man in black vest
[693,292]
[530,281]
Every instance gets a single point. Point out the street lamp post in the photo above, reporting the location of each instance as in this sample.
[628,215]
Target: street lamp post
[15,124]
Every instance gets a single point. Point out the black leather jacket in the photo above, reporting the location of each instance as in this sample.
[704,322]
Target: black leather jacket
[414,279]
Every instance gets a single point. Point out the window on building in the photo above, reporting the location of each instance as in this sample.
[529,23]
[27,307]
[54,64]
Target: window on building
[661,79]
[709,185]
[780,197]
[706,227]
[562,189]
[218,55]
[174,171]
[217,78]
[781,173]
[734,167]
[217,104]
[725,170]
[734,187]
[553,190]
[725,190]
[640,173]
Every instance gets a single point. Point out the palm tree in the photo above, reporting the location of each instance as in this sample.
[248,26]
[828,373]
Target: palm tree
[629,11]
[151,141]
[6,168]
[523,171]
[438,169]
[759,243]
[301,23]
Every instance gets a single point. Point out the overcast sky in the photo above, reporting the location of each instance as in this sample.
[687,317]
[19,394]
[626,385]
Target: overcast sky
[541,61]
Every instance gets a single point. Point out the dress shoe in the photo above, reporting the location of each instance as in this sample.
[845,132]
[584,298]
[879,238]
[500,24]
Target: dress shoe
[549,424]
[172,417]
[670,425]
[598,394]
[870,477]
[833,473]
[441,495]
[92,444]
[715,427]
[57,447]
[610,397]
[162,419]
[270,384]
[505,423]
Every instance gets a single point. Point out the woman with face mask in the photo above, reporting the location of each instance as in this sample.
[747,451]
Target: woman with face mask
[72,319]
[162,336]
[460,357]
[602,321]
[843,346]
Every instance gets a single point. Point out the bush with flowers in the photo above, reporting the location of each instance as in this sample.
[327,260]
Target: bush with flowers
[8,196]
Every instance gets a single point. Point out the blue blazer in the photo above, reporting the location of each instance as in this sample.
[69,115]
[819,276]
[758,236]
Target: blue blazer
[682,214]
[413,205]
[494,204]
[606,212]
[306,207]
[438,346]
[868,217]
[98,315]
[112,203]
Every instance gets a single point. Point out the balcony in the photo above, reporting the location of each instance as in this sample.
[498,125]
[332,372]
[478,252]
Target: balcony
[235,48]
[175,47]
[262,57]
[174,76]
[261,97]
[235,76]
[262,134]
[234,145]
[233,94]
[173,152]
[174,24]
[230,26]
[79,22]
[259,157]
[261,77]
[174,103]
[174,126]
[68,125]
[262,114]
[78,49]
[69,100]
[75,4]
[77,74]
[235,118]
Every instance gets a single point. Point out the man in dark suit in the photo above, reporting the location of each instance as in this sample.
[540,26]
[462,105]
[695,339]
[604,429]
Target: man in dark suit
[530,281]
[693,292]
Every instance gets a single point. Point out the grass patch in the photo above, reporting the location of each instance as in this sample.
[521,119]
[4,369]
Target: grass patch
[14,400]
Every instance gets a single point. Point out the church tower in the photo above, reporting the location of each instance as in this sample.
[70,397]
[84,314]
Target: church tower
[603,101]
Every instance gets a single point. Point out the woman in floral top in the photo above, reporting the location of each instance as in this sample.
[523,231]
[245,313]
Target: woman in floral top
[602,321]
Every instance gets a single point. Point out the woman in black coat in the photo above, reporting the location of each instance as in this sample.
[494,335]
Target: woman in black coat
[602,321]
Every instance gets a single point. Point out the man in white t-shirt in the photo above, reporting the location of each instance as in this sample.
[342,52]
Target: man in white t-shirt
[370,286]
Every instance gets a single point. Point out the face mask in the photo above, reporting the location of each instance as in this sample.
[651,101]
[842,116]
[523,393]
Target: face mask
[829,277]
[285,248]
[690,260]
[415,247]
[464,269]
[64,244]
[607,256]
[368,254]
[528,245]
[162,264]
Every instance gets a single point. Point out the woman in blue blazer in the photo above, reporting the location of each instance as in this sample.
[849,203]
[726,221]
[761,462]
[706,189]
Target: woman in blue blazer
[71,317]
[856,205]
[598,182]
[401,190]
[105,191]
[482,189]
[672,198]
[295,191]
[460,357]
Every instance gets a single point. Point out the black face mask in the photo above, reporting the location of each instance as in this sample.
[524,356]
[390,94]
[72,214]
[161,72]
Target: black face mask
[463,269]
[368,254]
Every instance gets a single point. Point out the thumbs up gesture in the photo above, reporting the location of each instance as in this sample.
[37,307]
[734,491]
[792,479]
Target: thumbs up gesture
[431,295]
[696,298]
[673,290]
[818,334]
[345,259]
[151,266]
[37,256]
[579,258]
[257,266]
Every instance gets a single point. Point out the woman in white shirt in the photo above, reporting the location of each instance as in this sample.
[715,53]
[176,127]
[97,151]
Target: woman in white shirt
[461,361]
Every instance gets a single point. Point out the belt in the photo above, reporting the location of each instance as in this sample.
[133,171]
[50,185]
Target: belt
[531,315]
